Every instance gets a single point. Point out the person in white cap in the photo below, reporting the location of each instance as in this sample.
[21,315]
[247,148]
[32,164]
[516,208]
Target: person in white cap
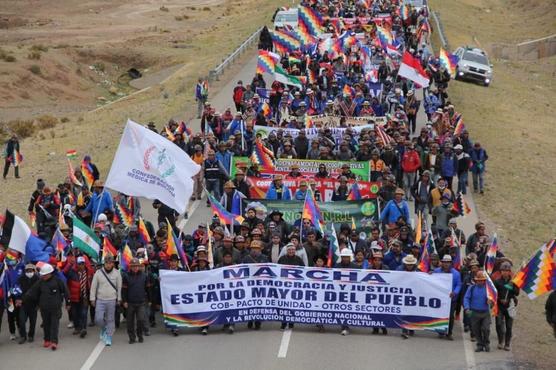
[51,293]
[106,293]
[409,264]
[346,262]
[446,267]
[464,162]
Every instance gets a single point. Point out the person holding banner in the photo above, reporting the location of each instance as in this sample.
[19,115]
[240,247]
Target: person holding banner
[346,262]
[446,267]
[255,256]
[290,259]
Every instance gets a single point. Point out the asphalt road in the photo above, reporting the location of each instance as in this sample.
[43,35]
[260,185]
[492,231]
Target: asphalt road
[269,348]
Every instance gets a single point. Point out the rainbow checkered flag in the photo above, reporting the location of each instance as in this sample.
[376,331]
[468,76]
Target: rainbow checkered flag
[460,206]
[538,275]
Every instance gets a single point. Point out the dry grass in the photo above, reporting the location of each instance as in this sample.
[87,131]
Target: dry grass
[98,132]
[514,120]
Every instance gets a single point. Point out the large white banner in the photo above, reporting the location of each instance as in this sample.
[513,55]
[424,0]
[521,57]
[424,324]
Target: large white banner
[149,165]
[270,292]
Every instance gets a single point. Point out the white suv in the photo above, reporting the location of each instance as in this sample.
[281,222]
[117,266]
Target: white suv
[474,65]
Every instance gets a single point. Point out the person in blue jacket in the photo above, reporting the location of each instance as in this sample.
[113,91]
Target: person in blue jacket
[477,306]
[395,209]
[101,201]
[446,267]
[277,190]
[448,164]
[14,270]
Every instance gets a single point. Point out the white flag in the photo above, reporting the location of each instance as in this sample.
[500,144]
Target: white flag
[149,165]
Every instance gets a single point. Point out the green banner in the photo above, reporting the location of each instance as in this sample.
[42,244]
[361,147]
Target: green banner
[362,212]
[309,167]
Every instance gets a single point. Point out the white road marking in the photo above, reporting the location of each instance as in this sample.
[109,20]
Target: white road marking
[468,349]
[93,356]
[283,351]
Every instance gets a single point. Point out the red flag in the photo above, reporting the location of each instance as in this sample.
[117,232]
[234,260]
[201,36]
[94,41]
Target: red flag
[412,70]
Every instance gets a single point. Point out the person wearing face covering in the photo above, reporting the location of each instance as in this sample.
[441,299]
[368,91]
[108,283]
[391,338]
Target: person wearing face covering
[27,307]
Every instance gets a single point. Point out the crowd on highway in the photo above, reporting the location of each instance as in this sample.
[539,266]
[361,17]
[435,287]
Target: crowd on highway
[351,107]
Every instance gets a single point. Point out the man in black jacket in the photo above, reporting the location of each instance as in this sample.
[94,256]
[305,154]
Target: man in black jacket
[290,259]
[135,287]
[50,292]
[27,307]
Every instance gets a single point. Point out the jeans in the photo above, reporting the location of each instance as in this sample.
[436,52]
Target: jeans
[480,325]
[105,315]
[135,312]
[462,182]
[24,314]
[79,315]
[478,182]
[504,324]
[213,187]
[408,181]
[51,324]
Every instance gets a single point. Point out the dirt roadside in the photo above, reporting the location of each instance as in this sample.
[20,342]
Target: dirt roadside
[513,119]
[97,132]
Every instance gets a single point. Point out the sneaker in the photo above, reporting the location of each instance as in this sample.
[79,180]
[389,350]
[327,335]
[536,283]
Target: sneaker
[283,326]
[257,325]
[140,340]
[466,329]
[405,336]
[131,340]
[54,346]
[70,325]
[507,347]
[22,340]
[290,325]
[147,333]
[479,349]
[384,331]
[500,346]
[487,348]
[473,339]
[175,333]
[204,331]
[231,329]
[46,344]
[75,332]
[108,340]
[83,333]
[12,336]
[345,332]
[250,325]
[449,337]
[30,340]
[375,331]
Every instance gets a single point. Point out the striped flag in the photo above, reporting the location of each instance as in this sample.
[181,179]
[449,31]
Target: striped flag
[125,258]
[284,42]
[492,294]
[87,172]
[263,156]
[71,154]
[59,243]
[85,239]
[108,249]
[419,228]
[425,260]
[143,232]
[71,174]
[312,212]
[490,256]
[354,193]
[333,246]
[223,215]
[383,136]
